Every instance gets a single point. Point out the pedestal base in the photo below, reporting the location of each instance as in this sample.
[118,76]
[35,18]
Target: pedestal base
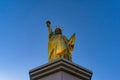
[60,69]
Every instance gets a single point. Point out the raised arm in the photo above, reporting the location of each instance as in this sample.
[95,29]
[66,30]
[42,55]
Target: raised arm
[49,28]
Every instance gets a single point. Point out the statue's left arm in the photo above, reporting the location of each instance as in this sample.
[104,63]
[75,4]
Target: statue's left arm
[71,42]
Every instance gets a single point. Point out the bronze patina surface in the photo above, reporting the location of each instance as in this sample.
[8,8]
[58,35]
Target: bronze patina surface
[59,46]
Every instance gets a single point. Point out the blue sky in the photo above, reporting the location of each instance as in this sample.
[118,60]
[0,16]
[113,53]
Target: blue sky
[24,35]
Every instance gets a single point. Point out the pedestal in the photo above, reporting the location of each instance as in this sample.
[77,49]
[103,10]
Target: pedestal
[60,69]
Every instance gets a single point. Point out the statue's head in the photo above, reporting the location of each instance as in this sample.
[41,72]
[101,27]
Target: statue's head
[58,30]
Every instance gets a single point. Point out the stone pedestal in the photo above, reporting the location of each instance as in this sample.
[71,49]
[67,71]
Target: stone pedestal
[60,69]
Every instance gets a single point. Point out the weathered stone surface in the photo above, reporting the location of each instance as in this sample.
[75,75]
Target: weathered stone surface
[60,69]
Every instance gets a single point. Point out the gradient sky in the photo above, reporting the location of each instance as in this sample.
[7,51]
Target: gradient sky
[24,35]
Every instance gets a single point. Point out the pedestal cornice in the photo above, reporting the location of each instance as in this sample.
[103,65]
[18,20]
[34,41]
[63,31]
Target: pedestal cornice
[60,65]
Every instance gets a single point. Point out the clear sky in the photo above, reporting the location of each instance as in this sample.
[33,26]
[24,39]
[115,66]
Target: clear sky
[24,35]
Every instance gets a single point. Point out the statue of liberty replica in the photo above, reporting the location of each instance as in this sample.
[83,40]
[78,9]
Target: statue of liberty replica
[59,46]
[60,65]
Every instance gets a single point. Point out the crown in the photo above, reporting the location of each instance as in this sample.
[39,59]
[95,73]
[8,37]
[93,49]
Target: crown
[58,28]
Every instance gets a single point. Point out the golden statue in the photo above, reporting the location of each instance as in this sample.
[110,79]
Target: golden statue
[59,46]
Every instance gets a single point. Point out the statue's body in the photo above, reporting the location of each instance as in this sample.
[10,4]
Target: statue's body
[59,46]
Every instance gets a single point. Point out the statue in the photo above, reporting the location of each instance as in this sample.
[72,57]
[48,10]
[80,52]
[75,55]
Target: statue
[59,46]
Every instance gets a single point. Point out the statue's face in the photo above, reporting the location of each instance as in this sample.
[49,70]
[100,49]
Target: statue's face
[58,31]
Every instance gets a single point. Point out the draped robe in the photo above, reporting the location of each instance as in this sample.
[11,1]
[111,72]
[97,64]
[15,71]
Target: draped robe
[60,47]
